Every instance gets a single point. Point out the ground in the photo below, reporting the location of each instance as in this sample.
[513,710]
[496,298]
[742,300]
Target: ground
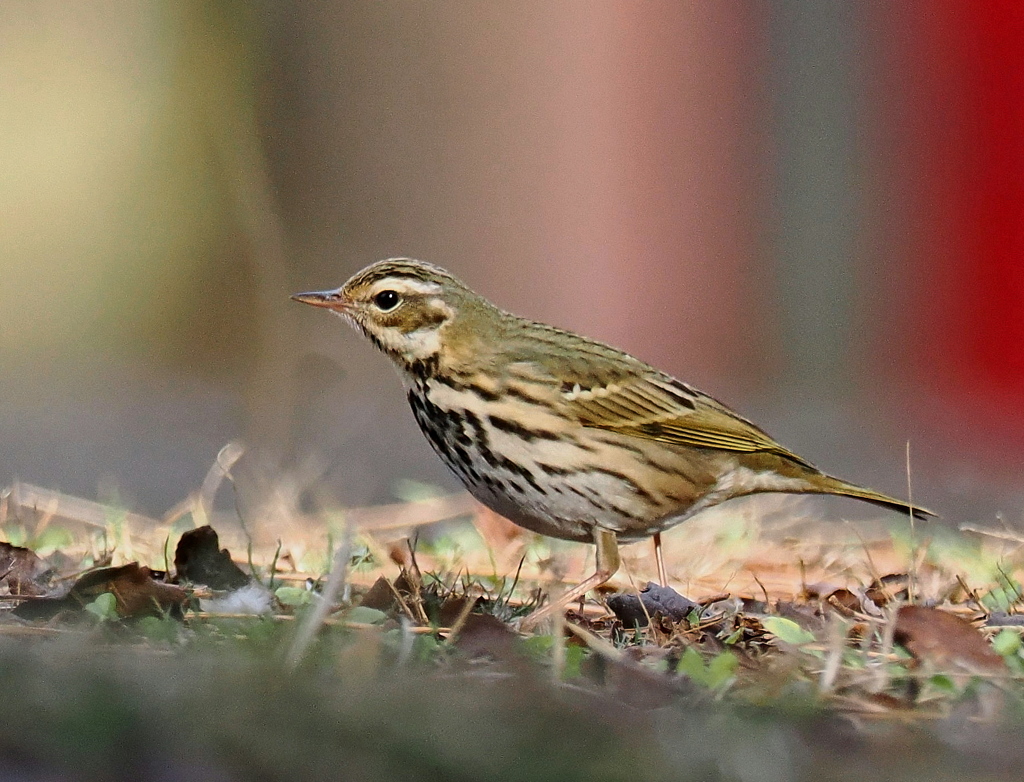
[786,646]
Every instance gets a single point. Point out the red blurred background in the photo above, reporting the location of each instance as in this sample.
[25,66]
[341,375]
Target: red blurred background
[953,158]
[811,210]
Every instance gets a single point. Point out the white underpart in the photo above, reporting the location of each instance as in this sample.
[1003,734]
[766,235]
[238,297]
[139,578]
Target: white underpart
[420,344]
[741,481]
[556,509]
[557,452]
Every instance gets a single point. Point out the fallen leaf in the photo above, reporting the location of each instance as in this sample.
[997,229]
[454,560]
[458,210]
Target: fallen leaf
[199,559]
[136,589]
[22,571]
[945,640]
[883,590]
[484,635]
[380,596]
[787,631]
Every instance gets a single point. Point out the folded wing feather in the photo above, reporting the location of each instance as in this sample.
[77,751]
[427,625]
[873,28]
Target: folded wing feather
[660,409]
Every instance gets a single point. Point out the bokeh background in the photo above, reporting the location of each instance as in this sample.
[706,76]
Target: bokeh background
[812,210]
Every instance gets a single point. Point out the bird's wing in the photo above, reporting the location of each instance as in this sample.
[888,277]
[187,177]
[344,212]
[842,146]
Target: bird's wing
[663,409]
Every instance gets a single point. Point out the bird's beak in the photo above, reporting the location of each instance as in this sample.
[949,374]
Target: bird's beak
[332,300]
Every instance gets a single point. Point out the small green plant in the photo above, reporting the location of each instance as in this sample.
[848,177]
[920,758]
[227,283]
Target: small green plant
[104,608]
[716,674]
[293,597]
[1007,644]
[787,631]
[540,648]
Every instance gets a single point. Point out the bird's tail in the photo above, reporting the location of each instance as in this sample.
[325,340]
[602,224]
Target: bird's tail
[829,485]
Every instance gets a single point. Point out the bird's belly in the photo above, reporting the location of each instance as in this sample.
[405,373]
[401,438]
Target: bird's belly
[559,479]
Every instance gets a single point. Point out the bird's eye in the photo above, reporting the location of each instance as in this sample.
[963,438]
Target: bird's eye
[386,300]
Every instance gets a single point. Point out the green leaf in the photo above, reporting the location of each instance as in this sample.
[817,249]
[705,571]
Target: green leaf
[365,615]
[157,628]
[293,596]
[787,631]
[721,669]
[574,657]
[717,673]
[425,648]
[1007,643]
[1003,597]
[51,539]
[104,607]
[943,683]
[735,636]
[691,664]
[538,647]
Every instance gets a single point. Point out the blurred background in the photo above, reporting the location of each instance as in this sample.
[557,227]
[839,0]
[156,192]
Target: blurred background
[812,210]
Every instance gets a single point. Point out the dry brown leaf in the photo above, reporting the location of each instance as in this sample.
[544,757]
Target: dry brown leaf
[200,560]
[945,641]
[22,571]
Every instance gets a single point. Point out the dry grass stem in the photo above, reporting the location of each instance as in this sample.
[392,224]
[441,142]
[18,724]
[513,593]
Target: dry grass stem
[309,628]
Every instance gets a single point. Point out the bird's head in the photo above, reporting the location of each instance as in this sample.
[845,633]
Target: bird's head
[403,306]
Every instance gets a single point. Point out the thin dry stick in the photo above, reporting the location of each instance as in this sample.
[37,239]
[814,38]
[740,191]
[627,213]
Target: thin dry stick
[400,599]
[659,558]
[202,507]
[415,578]
[997,534]
[460,621]
[26,496]
[973,595]
[767,600]
[632,583]
[875,574]
[834,656]
[558,647]
[308,630]
[596,643]
[912,575]
[881,674]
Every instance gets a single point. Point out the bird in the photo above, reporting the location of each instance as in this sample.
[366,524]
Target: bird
[564,435]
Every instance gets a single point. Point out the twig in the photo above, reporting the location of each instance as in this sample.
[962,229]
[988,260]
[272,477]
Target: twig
[875,574]
[558,646]
[972,594]
[912,575]
[416,579]
[460,620]
[411,514]
[881,677]
[219,470]
[764,591]
[400,599]
[87,512]
[834,655]
[596,643]
[991,533]
[273,565]
[309,628]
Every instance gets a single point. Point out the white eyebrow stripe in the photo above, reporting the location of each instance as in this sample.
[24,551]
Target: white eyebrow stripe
[406,285]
